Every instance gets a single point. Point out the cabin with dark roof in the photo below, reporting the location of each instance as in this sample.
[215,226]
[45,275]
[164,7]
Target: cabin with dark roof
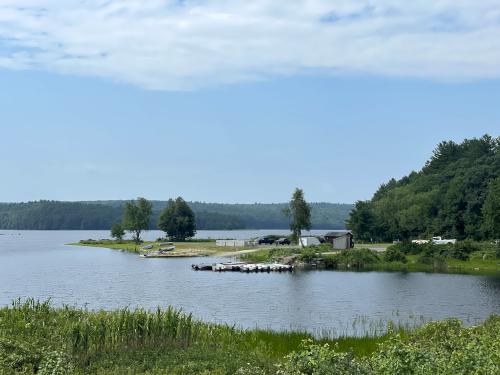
[340,239]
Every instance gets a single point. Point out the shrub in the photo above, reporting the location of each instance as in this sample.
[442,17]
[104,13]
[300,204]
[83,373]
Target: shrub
[357,258]
[320,360]
[18,356]
[442,348]
[308,254]
[407,248]
[393,254]
[55,363]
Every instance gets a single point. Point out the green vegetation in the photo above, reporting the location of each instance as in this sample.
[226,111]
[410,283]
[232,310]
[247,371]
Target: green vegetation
[137,217]
[437,348]
[464,256]
[51,215]
[299,213]
[202,247]
[456,194]
[177,220]
[117,232]
[491,210]
[37,338]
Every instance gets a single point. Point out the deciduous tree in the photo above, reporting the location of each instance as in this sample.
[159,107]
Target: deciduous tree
[136,218]
[299,212]
[117,231]
[178,220]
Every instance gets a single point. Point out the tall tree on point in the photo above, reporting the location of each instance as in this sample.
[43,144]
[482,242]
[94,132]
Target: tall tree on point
[136,218]
[178,220]
[299,212]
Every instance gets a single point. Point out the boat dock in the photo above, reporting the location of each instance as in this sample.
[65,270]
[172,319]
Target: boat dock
[242,267]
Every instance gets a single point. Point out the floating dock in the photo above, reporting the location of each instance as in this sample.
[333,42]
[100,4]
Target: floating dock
[242,267]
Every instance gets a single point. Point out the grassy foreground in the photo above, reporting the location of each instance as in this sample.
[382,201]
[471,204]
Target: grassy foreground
[38,338]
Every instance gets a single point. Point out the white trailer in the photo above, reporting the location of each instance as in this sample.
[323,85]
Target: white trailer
[308,241]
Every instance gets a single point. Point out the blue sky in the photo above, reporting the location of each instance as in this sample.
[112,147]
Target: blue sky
[225,103]
[338,138]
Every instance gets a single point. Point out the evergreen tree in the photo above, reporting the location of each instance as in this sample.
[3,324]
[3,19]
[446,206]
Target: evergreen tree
[178,220]
[361,221]
[491,210]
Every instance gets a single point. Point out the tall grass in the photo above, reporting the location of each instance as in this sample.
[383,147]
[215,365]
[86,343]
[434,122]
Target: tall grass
[36,337]
[98,338]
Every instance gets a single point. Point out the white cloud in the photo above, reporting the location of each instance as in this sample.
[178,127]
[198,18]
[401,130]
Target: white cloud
[176,45]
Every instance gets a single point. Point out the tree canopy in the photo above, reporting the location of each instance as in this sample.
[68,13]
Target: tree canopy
[491,210]
[137,216]
[117,231]
[456,194]
[177,220]
[299,212]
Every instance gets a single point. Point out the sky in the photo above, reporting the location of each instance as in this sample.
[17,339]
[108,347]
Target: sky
[237,101]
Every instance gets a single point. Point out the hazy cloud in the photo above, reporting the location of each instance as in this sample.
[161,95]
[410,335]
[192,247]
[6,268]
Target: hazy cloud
[177,45]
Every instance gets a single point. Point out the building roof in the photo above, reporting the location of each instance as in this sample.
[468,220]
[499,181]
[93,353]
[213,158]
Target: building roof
[338,233]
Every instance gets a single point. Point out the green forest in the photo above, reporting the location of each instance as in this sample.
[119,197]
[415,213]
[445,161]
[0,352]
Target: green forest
[52,215]
[456,195]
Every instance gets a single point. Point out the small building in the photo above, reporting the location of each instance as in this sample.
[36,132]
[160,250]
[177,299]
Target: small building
[308,241]
[340,239]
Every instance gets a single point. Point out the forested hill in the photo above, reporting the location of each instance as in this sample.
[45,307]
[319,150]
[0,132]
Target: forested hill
[456,194]
[45,215]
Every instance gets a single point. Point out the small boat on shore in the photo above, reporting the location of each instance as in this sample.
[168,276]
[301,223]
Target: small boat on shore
[163,252]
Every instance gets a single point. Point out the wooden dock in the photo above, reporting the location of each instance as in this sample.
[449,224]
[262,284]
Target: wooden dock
[242,267]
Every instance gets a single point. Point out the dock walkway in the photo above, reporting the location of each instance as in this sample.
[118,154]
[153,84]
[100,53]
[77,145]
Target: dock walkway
[242,267]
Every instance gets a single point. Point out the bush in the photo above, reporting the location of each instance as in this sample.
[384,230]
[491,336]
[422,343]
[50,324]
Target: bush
[407,248]
[308,254]
[320,360]
[357,258]
[18,356]
[393,254]
[442,347]
[55,363]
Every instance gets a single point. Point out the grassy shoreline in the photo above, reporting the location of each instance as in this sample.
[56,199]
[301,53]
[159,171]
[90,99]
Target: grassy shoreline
[194,248]
[319,257]
[36,337]
[362,259]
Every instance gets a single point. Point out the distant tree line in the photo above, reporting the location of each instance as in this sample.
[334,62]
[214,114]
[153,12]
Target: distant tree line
[51,215]
[456,194]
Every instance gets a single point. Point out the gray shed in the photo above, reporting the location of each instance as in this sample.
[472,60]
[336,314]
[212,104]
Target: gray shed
[340,239]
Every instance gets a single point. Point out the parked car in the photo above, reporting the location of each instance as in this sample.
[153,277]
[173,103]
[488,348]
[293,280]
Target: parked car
[442,241]
[265,241]
[282,241]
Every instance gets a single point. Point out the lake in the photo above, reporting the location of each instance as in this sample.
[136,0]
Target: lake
[38,264]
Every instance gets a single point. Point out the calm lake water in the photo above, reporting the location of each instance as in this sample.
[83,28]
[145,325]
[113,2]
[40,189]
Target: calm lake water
[38,264]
